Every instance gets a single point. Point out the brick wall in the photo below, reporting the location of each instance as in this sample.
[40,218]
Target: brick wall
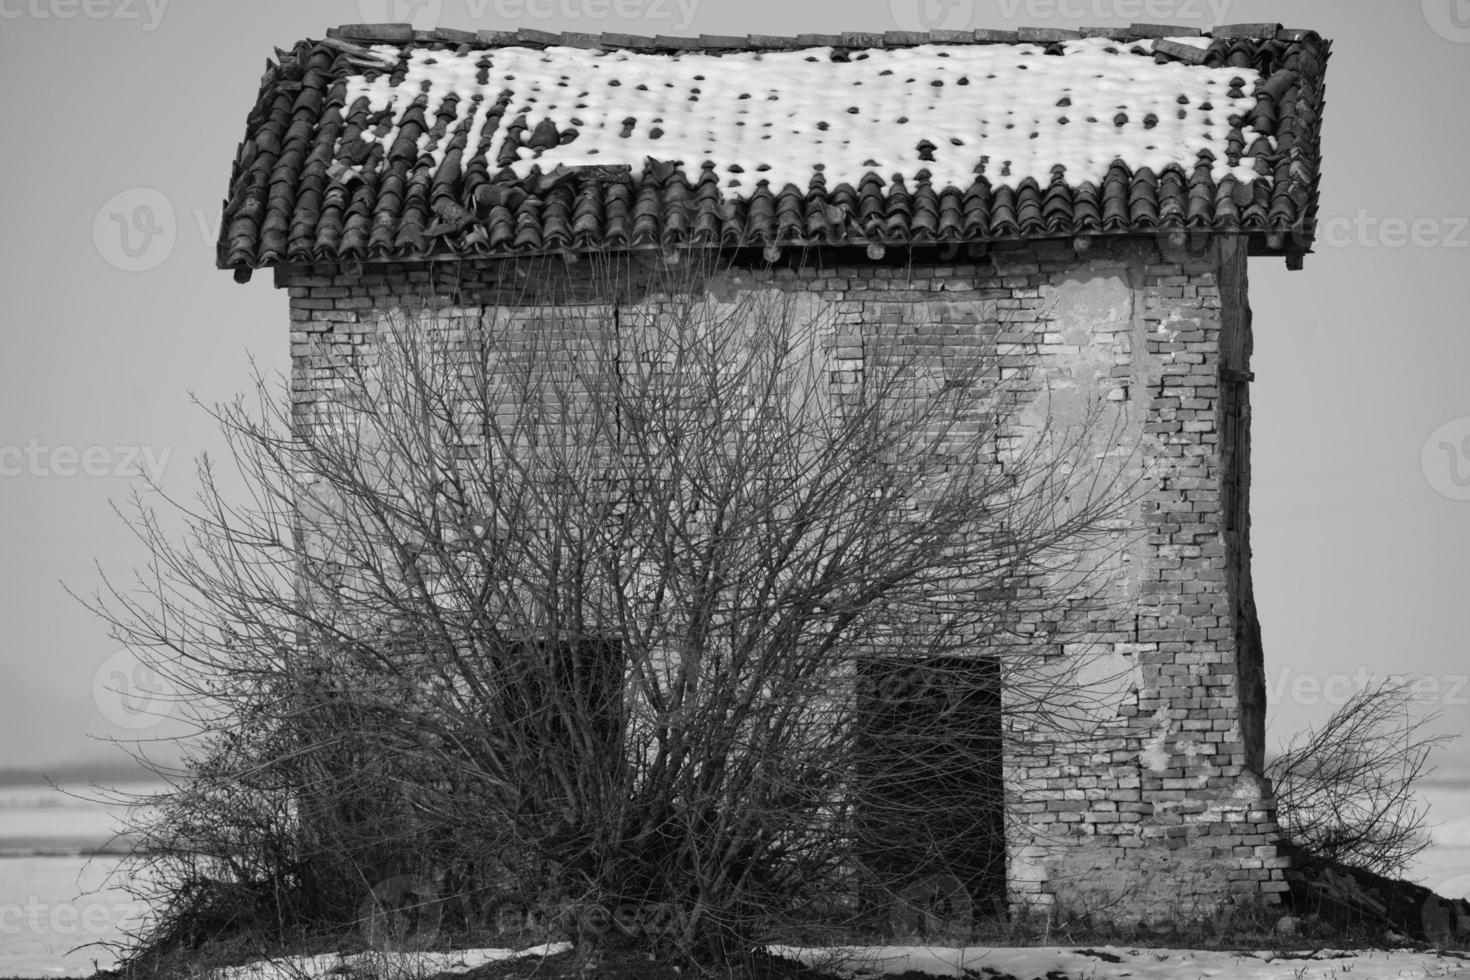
[1141,800]
[1159,814]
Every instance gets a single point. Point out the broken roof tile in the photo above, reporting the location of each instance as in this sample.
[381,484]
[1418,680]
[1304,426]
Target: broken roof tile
[1162,30]
[1045,35]
[375,33]
[1246,30]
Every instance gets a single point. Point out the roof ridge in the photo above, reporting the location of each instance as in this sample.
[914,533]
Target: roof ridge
[401,33]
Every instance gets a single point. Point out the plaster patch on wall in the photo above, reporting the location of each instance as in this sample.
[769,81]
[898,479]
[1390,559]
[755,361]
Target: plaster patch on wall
[1028,864]
[1089,310]
[1154,755]
[1107,674]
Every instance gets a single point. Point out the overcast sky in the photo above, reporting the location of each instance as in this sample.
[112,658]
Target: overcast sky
[122,121]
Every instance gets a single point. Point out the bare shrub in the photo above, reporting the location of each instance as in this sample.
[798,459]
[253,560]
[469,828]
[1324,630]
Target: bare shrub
[1345,790]
[634,617]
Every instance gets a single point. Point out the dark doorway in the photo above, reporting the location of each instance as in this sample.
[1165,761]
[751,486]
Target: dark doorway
[929,777]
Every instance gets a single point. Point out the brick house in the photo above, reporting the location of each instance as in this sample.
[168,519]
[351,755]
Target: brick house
[1089,198]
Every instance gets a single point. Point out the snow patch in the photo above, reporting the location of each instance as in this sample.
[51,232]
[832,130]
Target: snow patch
[1118,962]
[1025,963]
[1009,111]
[382,964]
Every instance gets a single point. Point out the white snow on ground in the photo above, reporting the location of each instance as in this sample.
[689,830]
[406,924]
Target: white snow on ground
[384,965]
[778,115]
[1027,963]
[1024,963]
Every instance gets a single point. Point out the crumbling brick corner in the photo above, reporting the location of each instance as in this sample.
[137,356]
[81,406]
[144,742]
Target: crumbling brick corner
[1163,814]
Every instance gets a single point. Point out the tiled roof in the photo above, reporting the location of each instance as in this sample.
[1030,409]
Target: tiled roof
[382,143]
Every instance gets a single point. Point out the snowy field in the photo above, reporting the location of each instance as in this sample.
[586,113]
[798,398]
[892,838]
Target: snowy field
[52,894]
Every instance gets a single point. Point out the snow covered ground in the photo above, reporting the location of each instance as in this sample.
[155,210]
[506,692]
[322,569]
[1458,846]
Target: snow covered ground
[1110,962]
[1041,963]
[51,900]
[384,965]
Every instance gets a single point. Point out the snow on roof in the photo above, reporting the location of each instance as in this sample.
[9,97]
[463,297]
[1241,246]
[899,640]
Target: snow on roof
[1007,112]
[449,143]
